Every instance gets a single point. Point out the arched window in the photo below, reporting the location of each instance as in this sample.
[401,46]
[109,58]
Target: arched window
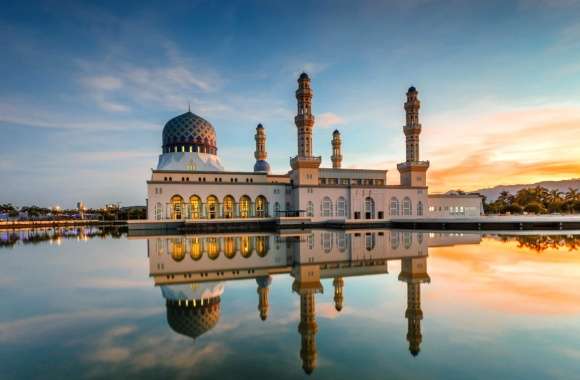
[245,204]
[341,207]
[327,241]
[311,241]
[158,211]
[213,247]
[212,207]
[176,207]
[394,207]
[341,241]
[195,204]
[394,240]
[262,245]
[369,208]
[310,209]
[407,239]
[261,207]
[407,209]
[420,208]
[246,246]
[326,207]
[370,241]
[176,249]
[196,248]
[229,247]
[229,203]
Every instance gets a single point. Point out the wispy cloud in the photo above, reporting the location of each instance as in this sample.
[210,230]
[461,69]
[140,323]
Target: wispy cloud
[328,119]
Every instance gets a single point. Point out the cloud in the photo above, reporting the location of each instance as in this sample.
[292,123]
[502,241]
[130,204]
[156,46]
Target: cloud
[504,277]
[328,119]
[472,149]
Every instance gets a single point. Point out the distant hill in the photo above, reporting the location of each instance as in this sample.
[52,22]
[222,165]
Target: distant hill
[563,185]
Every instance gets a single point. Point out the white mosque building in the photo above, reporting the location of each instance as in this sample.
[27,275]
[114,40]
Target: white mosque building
[191,184]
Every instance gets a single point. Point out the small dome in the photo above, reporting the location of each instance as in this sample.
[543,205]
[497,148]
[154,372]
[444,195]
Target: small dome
[264,281]
[260,126]
[189,130]
[304,76]
[412,89]
[193,321]
[262,166]
[336,132]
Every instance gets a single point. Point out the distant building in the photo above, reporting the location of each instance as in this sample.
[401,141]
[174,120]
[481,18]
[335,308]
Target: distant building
[191,183]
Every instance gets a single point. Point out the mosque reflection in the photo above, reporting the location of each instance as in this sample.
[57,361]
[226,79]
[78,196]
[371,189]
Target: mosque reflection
[192,269]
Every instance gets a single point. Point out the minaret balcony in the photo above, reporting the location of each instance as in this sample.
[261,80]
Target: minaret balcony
[305,162]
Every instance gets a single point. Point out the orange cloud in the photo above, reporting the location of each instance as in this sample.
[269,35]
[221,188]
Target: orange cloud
[519,146]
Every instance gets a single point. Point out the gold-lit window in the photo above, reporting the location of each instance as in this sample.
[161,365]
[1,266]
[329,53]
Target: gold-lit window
[213,248]
[176,207]
[245,205]
[212,207]
[229,206]
[195,204]
[261,207]
[246,246]
[196,248]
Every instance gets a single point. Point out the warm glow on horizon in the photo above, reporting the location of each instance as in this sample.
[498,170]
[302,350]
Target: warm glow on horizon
[506,278]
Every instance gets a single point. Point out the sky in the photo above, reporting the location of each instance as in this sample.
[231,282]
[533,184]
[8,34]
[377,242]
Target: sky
[86,88]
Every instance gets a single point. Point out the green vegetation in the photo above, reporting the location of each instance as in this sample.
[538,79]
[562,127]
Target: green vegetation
[110,212]
[536,200]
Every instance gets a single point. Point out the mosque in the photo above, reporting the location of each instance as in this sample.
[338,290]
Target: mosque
[190,183]
[192,270]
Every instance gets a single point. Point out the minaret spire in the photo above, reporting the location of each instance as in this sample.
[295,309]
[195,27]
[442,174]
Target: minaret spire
[304,119]
[338,292]
[414,273]
[263,293]
[336,157]
[260,153]
[413,172]
[412,127]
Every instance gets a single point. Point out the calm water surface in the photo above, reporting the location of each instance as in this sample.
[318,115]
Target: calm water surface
[362,304]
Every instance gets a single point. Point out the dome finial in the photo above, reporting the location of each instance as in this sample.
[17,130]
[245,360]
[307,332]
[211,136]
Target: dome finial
[188,106]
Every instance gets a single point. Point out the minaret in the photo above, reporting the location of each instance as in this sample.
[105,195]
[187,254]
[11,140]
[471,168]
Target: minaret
[307,284]
[261,164]
[412,129]
[338,284]
[304,165]
[414,273]
[336,150]
[304,119]
[263,293]
[412,171]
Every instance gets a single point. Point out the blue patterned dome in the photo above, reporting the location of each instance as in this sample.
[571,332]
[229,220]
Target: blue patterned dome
[262,166]
[189,133]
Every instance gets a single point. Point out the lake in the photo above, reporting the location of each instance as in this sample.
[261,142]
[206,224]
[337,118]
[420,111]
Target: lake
[365,304]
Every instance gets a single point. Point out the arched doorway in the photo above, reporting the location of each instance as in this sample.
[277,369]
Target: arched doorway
[212,207]
[229,202]
[261,207]
[369,208]
[195,204]
[245,204]
[176,207]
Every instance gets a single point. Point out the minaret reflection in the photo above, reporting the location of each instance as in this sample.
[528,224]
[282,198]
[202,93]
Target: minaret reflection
[414,273]
[338,284]
[263,295]
[307,284]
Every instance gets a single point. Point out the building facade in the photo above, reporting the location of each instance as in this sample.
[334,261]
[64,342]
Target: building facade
[190,182]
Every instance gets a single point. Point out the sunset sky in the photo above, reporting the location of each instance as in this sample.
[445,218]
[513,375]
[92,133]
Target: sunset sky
[86,88]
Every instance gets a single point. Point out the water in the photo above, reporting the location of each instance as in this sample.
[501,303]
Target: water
[91,303]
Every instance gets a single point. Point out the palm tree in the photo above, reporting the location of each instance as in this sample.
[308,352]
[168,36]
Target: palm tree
[572,194]
[554,196]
